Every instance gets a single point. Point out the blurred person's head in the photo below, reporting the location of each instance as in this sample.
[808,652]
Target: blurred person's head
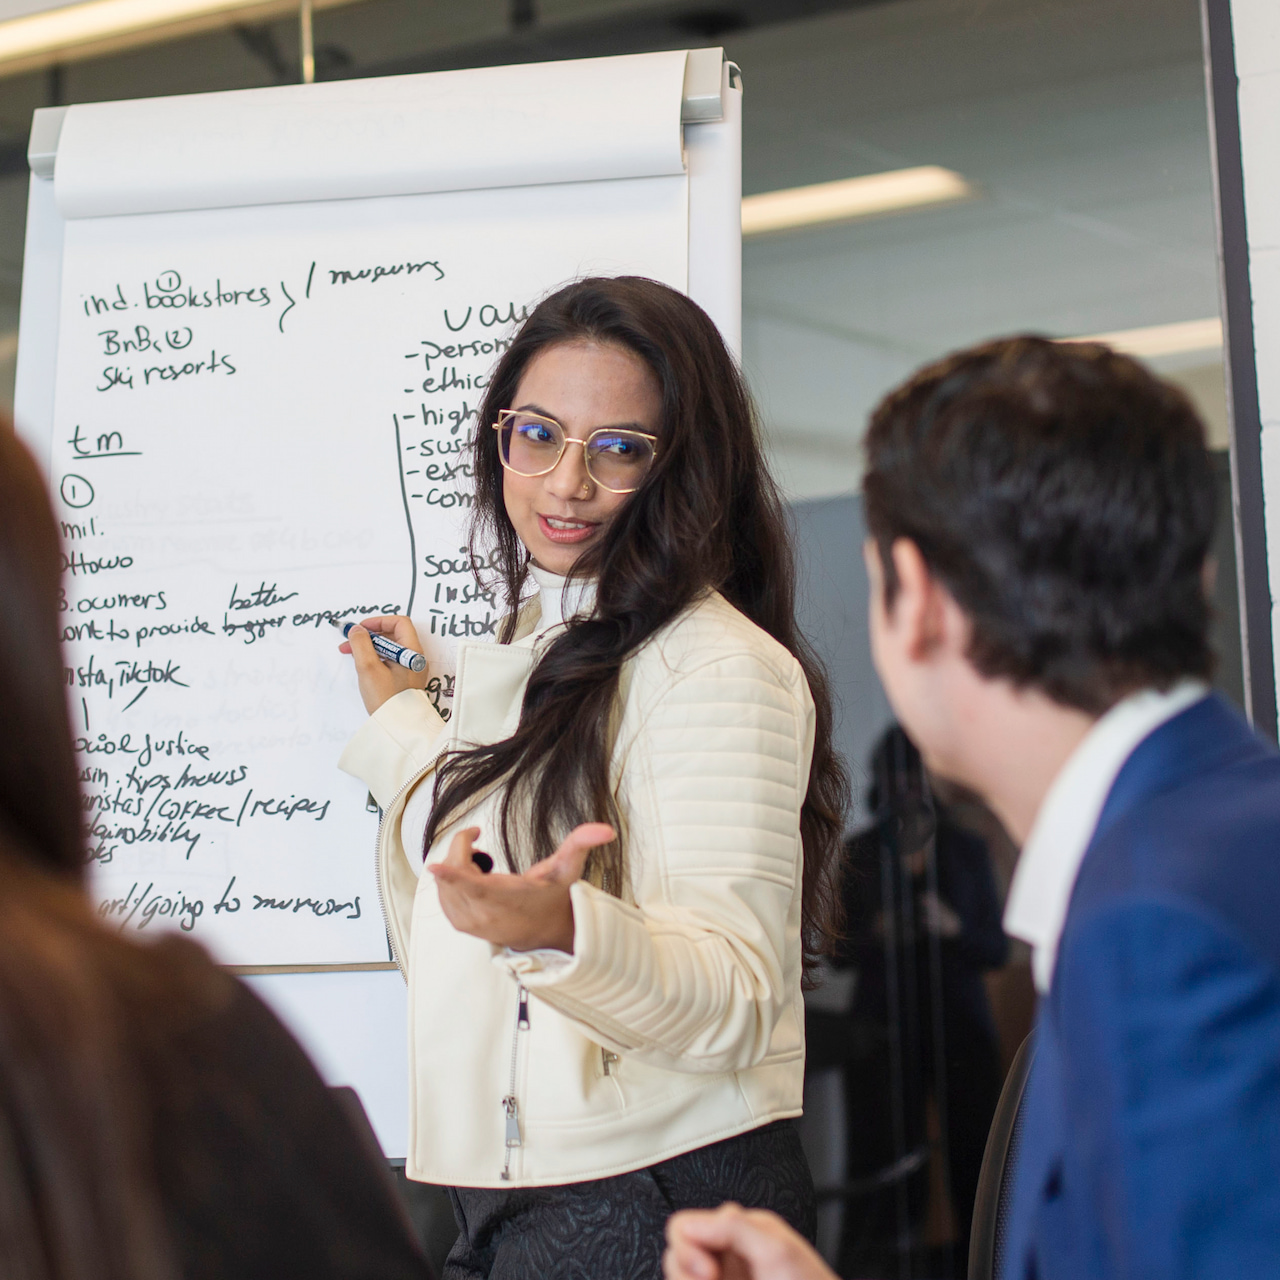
[901,798]
[76,1198]
[898,778]
[1040,517]
[40,811]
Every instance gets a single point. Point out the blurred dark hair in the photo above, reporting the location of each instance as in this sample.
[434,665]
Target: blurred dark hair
[707,517]
[77,1201]
[1064,497]
[40,807]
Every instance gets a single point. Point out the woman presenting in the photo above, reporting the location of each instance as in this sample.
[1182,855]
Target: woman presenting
[603,876]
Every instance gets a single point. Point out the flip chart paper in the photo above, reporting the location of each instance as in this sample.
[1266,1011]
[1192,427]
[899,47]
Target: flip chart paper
[261,422]
[545,123]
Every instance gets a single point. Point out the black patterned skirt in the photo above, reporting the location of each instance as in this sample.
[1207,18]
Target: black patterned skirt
[612,1228]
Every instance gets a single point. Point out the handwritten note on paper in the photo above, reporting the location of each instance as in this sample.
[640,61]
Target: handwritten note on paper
[262,423]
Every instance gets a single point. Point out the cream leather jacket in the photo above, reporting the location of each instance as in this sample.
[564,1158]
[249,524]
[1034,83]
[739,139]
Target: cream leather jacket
[678,1020]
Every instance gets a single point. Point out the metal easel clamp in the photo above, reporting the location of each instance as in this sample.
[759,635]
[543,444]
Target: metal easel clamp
[42,148]
[703,81]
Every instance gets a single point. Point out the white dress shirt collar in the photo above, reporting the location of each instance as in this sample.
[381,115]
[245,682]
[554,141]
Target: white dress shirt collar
[1068,816]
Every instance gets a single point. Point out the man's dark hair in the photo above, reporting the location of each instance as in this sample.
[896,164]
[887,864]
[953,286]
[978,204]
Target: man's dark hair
[1064,497]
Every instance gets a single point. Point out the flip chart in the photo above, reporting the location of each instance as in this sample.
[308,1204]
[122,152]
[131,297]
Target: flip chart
[255,331]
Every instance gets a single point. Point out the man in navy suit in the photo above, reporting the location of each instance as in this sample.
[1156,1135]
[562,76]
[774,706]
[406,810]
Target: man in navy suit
[1040,520]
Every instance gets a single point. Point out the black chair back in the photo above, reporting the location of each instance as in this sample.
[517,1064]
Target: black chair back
[995,1182]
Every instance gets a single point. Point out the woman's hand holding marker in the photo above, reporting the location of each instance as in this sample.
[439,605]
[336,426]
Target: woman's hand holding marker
[524,912]
[378,680]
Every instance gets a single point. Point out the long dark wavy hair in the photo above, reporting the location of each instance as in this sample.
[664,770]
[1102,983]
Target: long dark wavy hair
[708,517]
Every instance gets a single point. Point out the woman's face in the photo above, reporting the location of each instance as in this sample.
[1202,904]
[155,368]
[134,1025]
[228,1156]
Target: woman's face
[583,385]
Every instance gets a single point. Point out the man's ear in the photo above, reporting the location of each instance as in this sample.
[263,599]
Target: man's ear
[920,602]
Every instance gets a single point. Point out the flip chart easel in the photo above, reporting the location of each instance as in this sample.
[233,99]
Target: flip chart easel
[255,328]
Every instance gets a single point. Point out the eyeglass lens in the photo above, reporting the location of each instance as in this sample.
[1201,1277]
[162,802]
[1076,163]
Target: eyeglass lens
[616,460]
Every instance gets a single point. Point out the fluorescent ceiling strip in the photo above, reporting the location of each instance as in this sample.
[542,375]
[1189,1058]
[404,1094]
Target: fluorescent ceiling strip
[81,30]
[874,194]
[1158,340]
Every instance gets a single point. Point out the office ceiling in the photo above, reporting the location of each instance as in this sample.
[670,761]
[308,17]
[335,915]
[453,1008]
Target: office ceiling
[1081,121]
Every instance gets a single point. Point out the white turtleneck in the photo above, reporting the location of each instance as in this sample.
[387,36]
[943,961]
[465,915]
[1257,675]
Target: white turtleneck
[561,599]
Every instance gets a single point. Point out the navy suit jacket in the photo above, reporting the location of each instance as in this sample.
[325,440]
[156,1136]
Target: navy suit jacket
[1151,1135]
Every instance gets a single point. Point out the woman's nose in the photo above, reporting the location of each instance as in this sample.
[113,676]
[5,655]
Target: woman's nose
[569,478]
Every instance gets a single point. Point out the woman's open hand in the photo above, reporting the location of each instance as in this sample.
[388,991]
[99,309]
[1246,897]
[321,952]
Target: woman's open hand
[380,681]
[524,912]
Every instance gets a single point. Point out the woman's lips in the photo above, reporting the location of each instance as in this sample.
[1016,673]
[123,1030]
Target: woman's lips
[572,530]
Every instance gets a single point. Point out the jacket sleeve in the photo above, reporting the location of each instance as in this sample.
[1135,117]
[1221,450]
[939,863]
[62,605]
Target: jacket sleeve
[695,975]
[398,741]
[1170,1027]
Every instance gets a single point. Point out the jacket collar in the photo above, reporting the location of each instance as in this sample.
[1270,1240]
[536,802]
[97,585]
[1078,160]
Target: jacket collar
[1068,818]
[1203,738]
[490,679]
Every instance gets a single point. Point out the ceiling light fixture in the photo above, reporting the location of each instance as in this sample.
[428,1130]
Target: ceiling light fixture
[68,32]
[896,191]
[1154,341]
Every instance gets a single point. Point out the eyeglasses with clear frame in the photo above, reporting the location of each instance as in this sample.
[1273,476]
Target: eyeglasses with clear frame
[617,459]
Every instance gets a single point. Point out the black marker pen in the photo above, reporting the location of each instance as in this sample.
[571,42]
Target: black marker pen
[386,649]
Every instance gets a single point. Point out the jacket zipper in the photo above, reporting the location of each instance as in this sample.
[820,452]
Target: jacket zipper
[510,1105]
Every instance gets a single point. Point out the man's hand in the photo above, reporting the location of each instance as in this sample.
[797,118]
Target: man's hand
[380,681]
[524,912]
[733,1243]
